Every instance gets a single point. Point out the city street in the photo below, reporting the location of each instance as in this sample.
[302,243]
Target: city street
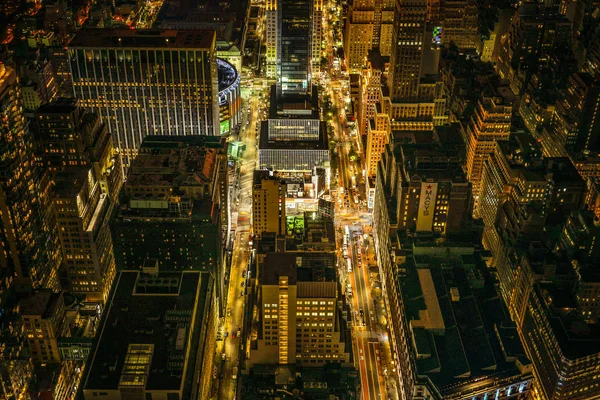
[236,303]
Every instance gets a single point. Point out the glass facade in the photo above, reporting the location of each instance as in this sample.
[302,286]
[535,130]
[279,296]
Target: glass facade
[294,47]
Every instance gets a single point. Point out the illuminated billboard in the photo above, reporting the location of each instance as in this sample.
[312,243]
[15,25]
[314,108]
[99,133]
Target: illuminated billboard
[224,127]
[437,35]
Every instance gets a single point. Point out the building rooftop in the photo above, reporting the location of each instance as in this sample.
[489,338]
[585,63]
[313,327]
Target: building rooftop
[175,162]
[298,266]
[266,144]
[458,323]
[152,325]
[41,303]
[196,39]
[226,17]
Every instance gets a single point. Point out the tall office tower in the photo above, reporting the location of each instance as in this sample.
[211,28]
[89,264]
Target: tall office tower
[460,23]
[407,49]
[576,120]
[294,47]
[268,204]
[359,34]
[533,34]
[293,139]
[170,207]
[75,145]
[369,86]
[271,35]
[317,36]
[369,25]
[434,194]
[43,316]
[298,292]
[67,136]
[489,123]
[378,136]
[147,82]
[27,229]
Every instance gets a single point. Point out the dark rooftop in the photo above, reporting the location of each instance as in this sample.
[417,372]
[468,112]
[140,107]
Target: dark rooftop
[144,38]
[468,349]
[154,312]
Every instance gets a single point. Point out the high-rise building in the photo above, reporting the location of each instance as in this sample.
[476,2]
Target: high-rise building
[43,322]
[535,31]
[317,36]
[271,30]
[459,23]
[299,318]
[86,171]
[27,229]
[489,123]
[434,195]
[147,82]
[407,50]
[358,34]
[170,207]
[294,47]
[268,204]
[576,120]
[293,139]
[369,25]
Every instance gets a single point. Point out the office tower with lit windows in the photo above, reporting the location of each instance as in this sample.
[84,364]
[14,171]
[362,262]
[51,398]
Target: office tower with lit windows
[271,31]
[369,25]
[369,86]
[489,123]
[268,204]
[43,322]
[409,41]
[317,36]
[358,34]
[434,194]
[542,247]
[86,171]
[576,117]
[28,230]
[459,23]
[422,180]
[147,82]
[378,136]
[170,207]
[299,320]
[293,139]
[535,32]
[415,101]
[294,47]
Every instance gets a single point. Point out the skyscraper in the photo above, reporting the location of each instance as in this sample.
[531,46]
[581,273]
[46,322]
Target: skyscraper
[368,26]
[271,30]
[489,123]
[407,49]
[27,229]
[75,145]
[147,82]
[294,48]
[268,204]
[298,292]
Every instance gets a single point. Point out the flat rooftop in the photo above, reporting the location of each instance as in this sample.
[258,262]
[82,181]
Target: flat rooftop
[160,314]
[266,144]
[460,328]
[197,39]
